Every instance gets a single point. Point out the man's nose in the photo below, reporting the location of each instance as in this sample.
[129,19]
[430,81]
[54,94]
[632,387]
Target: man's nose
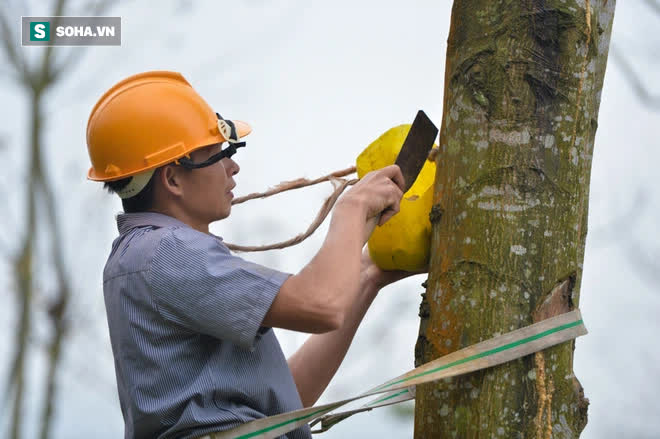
[233,168]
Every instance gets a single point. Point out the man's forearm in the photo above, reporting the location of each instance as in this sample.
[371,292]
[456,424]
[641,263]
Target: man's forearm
[316,362]
[318,299]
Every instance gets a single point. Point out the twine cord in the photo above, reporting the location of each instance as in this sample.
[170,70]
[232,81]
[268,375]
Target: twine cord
[339,184]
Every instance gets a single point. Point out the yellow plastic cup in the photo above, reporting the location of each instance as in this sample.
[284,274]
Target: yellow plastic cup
[403,243]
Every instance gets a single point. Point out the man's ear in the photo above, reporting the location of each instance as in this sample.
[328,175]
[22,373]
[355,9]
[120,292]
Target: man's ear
[170,179]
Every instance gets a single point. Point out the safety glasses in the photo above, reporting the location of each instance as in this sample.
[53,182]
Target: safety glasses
[229,130]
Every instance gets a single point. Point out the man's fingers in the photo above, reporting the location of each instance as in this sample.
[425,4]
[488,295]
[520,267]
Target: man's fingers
[394,197]
[385,216]
[394,173]
[391,210]
[381,192]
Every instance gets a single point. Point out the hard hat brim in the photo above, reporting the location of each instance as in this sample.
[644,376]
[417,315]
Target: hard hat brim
[242,129]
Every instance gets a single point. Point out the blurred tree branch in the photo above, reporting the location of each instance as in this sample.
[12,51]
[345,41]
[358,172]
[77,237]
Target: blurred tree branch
[654,4]
[58,308]
[620,230]
[71,59]
[36,79]
[16,57]
[647,266]
[638,86]
[6,220]
[625,221]
[633,77]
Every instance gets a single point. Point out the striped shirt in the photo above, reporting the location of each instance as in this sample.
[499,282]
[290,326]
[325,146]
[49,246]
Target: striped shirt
[184,315]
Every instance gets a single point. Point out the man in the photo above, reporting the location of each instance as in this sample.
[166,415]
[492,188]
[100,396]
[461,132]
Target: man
[190,323]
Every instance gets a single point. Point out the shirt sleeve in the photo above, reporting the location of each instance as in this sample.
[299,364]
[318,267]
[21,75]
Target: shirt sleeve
[197,283]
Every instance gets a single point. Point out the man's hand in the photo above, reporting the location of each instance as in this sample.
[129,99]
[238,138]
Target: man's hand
[381,278]
[323,294]
[377,196]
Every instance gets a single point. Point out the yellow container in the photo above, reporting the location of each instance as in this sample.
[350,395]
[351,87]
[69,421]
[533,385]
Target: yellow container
[403,243]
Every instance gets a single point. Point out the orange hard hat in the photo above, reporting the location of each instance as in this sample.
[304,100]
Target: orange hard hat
[148,120]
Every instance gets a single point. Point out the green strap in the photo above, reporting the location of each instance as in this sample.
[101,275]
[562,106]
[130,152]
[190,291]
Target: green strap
[497,350]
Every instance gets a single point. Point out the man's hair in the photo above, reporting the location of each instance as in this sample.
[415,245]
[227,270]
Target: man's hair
[141,202]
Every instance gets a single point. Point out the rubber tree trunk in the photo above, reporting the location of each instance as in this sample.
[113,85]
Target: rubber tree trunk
[522,91]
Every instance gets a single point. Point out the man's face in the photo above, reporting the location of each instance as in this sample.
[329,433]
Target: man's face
[207,191]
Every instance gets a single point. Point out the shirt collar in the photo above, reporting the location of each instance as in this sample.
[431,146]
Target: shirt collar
[128,221]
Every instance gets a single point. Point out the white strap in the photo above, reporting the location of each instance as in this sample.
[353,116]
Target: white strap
[137,183]
[497,350]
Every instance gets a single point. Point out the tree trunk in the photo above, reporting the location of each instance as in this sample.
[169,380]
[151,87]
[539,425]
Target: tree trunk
[522,90]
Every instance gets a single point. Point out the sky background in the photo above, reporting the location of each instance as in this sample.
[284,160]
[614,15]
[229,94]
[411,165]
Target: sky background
[318,82]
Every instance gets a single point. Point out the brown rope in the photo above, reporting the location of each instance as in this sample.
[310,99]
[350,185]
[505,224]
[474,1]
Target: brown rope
[293,184]
[340,185]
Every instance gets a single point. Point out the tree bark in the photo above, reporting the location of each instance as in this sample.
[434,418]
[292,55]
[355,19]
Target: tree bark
[522,91]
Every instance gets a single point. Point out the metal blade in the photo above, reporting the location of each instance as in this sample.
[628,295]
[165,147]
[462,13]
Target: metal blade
[416,147]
